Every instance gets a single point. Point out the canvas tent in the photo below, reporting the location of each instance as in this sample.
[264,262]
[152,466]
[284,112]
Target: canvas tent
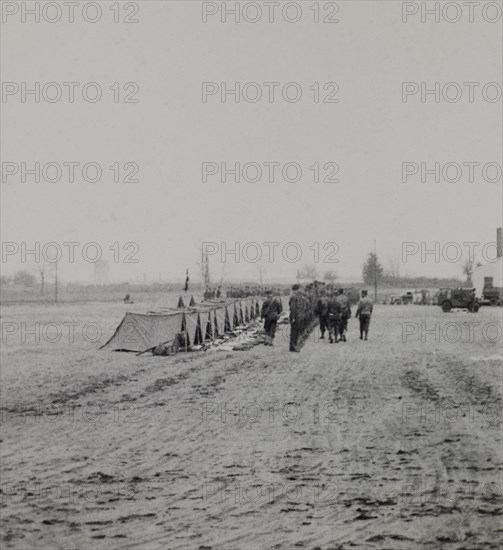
[143,331]
[139,331]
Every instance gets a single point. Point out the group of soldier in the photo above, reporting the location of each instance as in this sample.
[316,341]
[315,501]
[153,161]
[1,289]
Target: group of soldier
[250,290]
[331,307]
[212,293]
[216,292]
[334,311]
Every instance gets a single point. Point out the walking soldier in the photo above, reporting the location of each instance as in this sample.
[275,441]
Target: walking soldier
[295,304]
[271,310]
[333,317]
[343,301]
[364,312]
[322,310]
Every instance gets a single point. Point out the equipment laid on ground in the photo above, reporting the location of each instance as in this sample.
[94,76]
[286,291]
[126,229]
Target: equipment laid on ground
[459,298]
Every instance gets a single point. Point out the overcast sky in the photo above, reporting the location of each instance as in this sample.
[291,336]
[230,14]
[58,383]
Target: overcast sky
[170,132]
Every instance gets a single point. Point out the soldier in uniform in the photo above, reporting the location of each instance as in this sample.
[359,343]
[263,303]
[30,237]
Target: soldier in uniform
[295,317]
[364,312]
[333,317]
[321,310]
[271,310]
[343,301]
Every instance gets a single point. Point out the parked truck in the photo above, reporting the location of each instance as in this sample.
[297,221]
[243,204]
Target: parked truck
[491,295]
[459,298]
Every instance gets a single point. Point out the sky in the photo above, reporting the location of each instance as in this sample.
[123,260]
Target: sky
[170,132]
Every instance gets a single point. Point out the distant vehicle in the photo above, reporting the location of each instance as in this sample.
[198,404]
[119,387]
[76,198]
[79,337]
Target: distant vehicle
[492,295]
[395,300]
[407,297]
[458,297]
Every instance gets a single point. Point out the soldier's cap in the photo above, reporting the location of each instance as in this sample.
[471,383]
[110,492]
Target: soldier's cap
[365,292]
[268,292]
[295,287]
[341,291]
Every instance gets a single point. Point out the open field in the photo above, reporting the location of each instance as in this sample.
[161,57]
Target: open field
[391,443]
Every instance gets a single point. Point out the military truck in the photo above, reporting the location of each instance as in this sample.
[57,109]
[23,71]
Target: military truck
[491,294]
[407,297]
[459,298]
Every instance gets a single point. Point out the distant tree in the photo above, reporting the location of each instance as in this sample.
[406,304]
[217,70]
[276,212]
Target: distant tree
[393,270]
[4,280]
[372,269]
[467,268]
[308,272]
[42,270]
[24,278]
[330,276]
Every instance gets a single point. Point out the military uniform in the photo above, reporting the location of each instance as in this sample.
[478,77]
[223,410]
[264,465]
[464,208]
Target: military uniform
[270,313]
[295,320]
[345,315]
[334,317]
[322,311]
[364,312]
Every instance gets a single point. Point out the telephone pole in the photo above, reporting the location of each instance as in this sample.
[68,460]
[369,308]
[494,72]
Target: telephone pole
[56,284]
[375,272]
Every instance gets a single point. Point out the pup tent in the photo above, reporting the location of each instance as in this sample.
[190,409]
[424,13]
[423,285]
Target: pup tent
[143,331]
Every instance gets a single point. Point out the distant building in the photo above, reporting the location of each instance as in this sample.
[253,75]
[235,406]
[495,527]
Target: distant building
[101,272]
[491,270]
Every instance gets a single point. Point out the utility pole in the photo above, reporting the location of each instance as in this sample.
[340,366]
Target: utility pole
[56,284]
[375,272]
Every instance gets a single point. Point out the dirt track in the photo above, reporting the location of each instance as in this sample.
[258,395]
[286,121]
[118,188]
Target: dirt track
[380,444]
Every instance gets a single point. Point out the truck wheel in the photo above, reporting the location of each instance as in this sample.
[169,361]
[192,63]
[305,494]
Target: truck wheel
[446,307]
[494,301]
[476,307]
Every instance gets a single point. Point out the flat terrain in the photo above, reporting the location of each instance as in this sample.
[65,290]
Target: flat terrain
[391,443]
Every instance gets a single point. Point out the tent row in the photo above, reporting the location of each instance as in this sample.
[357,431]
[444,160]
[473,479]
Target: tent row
[140,331]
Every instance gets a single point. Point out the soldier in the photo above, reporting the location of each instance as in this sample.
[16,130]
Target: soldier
[364,312]
[295,317]
[271,310]
[321,310]
[345,315]
[333,317]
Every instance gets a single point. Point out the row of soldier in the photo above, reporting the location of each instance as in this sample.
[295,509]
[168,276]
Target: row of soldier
[212,293]
[250,290]
[215,292]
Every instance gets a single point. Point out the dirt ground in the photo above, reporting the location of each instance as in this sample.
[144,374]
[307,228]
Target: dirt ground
[391,443]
